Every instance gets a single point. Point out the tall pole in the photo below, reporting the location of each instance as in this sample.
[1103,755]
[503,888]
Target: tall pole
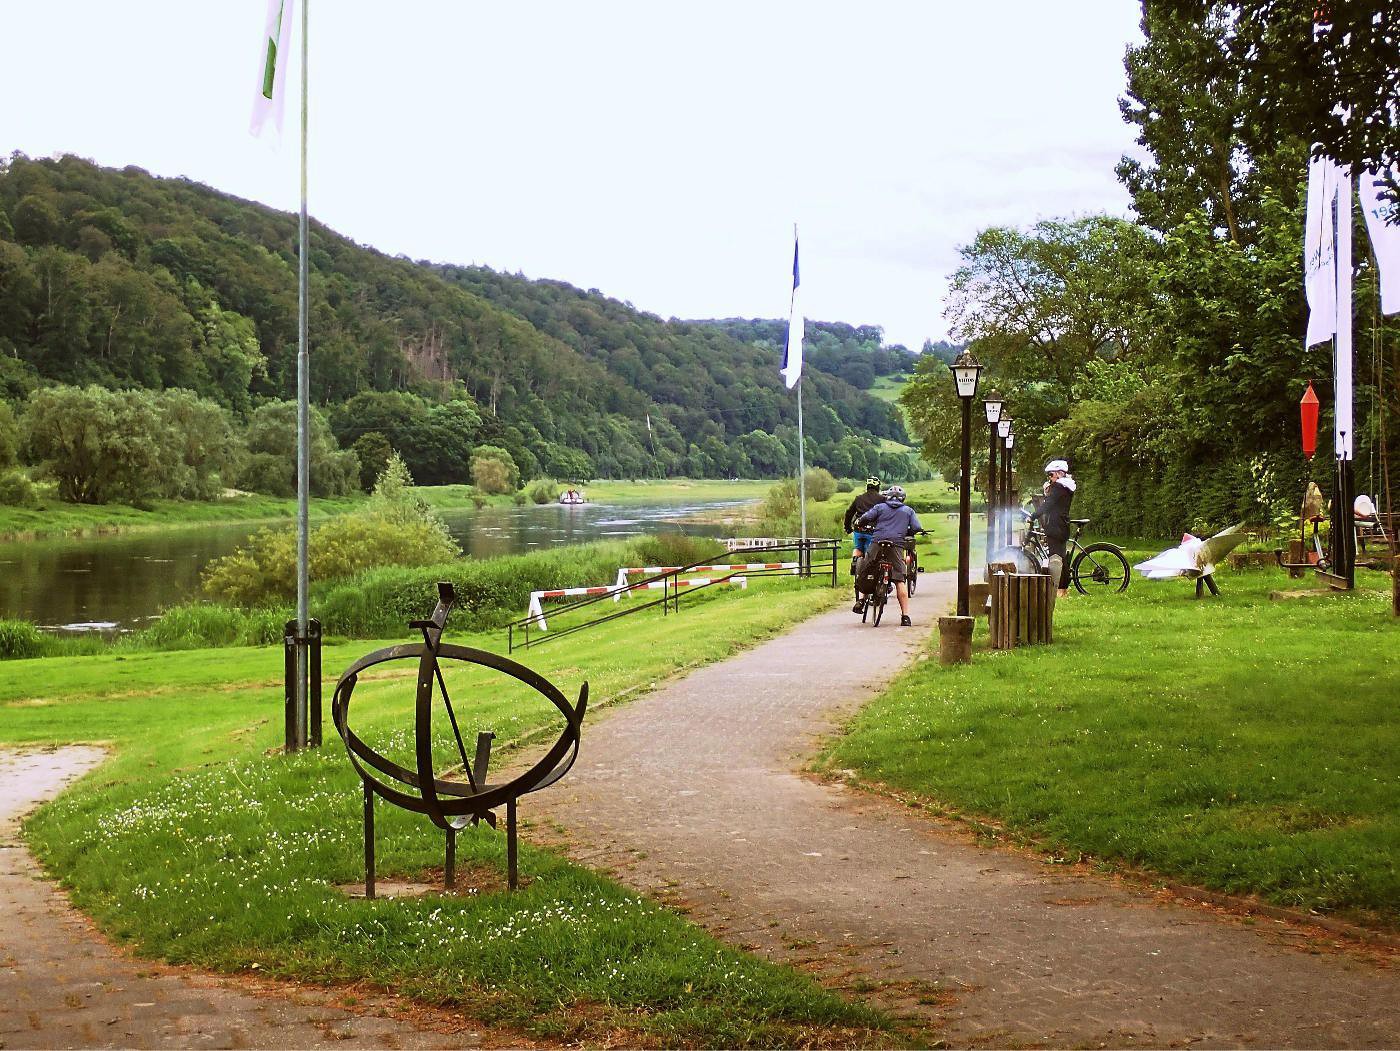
[1343,523]
[303,422]
[1008,497]
[991,491]
[965,507]
[801,469]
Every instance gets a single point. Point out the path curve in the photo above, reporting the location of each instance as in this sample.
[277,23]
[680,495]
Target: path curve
[63,985]
[692,794]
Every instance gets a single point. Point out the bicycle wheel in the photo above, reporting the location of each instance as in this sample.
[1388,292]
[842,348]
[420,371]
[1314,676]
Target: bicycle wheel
[1100,569]
[880,597]
[911,575]
[878,612]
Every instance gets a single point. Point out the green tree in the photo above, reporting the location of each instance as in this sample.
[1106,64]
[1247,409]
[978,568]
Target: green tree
[373,451]
[9,436]
[98,445]
[493,470]
[272,443]
[202,452]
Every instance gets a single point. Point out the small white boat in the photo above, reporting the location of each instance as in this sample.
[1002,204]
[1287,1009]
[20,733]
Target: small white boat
[571,496]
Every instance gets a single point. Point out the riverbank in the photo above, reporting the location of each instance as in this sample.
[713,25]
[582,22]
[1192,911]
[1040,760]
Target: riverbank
[53,518]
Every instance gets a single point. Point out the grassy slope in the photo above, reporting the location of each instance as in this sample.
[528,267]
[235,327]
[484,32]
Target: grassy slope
[1241,744]
[196,845]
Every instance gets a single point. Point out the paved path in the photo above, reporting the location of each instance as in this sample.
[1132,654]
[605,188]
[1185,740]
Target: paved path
[62,985]
[691,794]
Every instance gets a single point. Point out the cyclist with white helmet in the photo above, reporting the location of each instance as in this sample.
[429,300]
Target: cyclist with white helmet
[892,520]
[1052,510]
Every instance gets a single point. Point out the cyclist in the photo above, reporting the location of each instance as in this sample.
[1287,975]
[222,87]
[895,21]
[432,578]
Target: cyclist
[861,504]
[1052,510]
[892,520]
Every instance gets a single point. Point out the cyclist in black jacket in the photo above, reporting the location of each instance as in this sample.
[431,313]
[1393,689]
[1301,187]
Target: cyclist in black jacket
[1052,510]
[861,504]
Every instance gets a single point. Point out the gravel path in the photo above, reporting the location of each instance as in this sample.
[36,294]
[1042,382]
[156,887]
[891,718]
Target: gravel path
[691,794]
[63,985]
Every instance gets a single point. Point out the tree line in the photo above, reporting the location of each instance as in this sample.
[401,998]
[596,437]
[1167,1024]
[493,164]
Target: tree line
[122,281]
[1163,355]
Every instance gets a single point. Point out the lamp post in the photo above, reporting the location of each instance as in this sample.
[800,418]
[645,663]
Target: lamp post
[1011,497]
[1004,527]
[992,403]
[965,371]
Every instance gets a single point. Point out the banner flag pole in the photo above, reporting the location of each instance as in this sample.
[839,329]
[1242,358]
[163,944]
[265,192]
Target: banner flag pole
[303,418]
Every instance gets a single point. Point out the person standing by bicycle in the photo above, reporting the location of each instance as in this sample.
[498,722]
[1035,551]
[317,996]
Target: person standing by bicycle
[861,504]
[1052,510]
[891,520]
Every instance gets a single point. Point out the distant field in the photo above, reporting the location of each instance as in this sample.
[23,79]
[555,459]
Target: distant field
[888,388]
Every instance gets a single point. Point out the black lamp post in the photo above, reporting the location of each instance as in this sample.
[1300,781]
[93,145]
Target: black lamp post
[992,403]
[1012,497]
[1004,481]
[965,371]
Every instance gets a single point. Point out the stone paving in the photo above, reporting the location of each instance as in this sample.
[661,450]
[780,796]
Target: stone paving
[63,985]
[692,795]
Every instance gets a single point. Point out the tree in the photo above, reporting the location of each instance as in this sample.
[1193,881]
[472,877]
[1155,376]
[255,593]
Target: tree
[9,437]
[1314,71]
[272,454]
[373,451]
[98,445]
[202,451]
[493,470]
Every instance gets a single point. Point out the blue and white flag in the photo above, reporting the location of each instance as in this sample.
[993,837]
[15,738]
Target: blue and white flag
[792,356]
[1383,221]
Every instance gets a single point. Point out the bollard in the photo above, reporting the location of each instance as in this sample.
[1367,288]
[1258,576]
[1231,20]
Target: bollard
[955,640]
[977,598]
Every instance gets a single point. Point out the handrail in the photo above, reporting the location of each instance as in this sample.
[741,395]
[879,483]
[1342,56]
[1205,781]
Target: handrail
[671,590]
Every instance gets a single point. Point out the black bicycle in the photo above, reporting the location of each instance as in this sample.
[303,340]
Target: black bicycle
[911,556]
[884,554]
[1094,569]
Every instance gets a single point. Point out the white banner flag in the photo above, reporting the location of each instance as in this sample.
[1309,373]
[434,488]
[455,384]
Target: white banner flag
[1383,222]
[1320,251]
[274,56]
[797,329]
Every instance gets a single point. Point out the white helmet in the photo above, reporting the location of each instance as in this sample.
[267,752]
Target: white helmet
[1057,465]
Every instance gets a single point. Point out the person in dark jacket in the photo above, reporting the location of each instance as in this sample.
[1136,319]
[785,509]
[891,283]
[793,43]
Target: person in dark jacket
[1052,511]
[891,520]
[861,504]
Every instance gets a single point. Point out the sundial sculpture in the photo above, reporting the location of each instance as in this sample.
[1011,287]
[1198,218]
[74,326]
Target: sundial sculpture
[450,805]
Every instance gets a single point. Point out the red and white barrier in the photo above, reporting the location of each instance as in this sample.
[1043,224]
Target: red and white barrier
[651,571]
[536,611]
[738,543]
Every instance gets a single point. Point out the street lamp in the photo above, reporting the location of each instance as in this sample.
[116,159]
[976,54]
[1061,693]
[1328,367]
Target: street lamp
[992,403]
[1012,500]
[1004,527]
[965,371]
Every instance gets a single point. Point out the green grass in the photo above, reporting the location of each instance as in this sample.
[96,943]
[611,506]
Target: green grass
[677,490]
[1242,744]
[195,844]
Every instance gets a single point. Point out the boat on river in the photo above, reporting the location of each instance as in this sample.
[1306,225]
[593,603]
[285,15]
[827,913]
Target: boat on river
[572,496]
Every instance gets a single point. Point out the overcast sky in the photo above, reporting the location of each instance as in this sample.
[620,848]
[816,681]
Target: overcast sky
[660,152]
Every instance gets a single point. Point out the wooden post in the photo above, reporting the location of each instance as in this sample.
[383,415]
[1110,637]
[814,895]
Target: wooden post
[1297,554]
[955,640]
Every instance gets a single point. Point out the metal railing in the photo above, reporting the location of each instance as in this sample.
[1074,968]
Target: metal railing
[815,557]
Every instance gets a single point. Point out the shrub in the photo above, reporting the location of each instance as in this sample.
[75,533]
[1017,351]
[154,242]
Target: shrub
[518,498]
[199,624]
[19,638]
[396,529]
[543,491]
[820,484]
[16,490]
[9,436]
[845,485]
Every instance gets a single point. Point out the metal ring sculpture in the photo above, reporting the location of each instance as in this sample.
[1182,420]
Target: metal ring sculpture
[450,805]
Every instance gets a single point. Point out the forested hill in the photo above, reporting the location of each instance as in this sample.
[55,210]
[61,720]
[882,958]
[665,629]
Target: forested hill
[121,279]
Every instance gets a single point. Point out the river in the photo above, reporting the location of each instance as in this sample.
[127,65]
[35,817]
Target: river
[122,582]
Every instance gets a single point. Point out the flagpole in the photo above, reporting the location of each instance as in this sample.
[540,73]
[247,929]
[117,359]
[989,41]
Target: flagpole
[801,467]
[303,422]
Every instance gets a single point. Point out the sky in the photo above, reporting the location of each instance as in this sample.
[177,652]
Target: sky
[660,152]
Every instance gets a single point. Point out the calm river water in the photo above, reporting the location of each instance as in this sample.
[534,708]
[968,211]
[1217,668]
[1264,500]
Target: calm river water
[126,580]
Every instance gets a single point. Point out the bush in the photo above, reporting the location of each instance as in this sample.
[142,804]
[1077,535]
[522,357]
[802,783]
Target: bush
[518,498]
[543,491]
[16,490]
[845,485]
[19,639]
[820,484]
[397,529]
[9,436]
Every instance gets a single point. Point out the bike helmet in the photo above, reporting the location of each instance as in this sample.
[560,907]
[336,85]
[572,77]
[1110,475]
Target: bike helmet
[1057,465]
[872,482]
[896,493]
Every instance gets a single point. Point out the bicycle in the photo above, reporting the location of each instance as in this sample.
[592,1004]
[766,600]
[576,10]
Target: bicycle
[874,606]
[911,580]
[1100,566]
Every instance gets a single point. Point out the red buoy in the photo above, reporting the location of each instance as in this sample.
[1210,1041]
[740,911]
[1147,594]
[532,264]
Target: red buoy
[1308,407]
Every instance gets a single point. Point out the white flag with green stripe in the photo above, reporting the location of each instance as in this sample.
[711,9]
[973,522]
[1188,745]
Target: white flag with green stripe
[274,55]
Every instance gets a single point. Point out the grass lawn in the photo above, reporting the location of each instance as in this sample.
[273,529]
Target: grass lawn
[195,844]
[1242,744]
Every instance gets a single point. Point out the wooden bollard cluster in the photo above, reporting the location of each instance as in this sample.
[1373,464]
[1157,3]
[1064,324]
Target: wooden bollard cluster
[1022,611]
